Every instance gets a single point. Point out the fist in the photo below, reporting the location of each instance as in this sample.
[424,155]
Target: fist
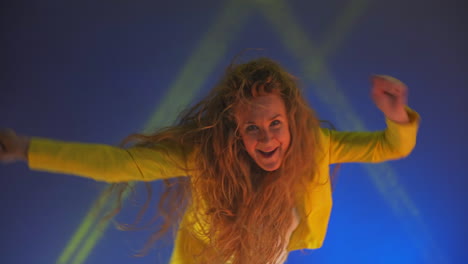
[12,146]
[390,95]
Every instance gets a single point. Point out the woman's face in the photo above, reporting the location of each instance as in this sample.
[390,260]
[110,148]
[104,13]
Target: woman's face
[264,129]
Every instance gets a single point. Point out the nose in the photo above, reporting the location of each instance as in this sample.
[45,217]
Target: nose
[265,136]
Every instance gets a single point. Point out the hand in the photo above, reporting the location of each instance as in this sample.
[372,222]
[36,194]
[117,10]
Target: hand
[12,146]
[390,95]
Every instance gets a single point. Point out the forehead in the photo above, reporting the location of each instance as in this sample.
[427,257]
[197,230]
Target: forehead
[260,108]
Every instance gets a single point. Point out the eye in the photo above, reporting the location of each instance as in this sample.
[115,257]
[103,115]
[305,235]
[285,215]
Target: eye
[251,128]
[275,123]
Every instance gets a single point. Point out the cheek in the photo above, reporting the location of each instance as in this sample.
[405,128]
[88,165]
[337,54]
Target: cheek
[285,138]
[249,143]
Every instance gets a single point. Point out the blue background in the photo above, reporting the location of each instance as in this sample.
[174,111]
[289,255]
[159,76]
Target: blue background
[95,71]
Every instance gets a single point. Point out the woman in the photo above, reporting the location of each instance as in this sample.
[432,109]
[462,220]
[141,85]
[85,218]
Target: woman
[255,163]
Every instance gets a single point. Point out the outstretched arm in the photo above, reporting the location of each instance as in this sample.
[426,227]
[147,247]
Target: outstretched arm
[96,161]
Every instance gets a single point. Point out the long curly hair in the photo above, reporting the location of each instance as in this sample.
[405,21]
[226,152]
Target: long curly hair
[245,210]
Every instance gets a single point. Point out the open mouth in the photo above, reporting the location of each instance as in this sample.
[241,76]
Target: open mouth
[267,154]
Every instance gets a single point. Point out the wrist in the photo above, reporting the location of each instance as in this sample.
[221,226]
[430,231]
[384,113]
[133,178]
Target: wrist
[400,116]
[24,148]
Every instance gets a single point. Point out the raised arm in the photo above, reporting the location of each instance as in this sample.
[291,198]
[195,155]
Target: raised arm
[96,161]
[396,141]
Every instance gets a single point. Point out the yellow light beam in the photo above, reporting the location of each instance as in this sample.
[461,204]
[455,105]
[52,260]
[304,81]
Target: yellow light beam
[205,57]
[312,60]
[174,93]
[94,236]
[342,26]
[86,224]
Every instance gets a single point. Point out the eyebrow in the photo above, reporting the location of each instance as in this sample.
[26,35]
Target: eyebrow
[274,117]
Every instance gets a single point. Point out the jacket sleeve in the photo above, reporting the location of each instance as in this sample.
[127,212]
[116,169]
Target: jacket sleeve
[396,141]
[106,163]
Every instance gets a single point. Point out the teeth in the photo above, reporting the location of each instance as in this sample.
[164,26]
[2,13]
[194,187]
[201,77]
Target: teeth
[269,153]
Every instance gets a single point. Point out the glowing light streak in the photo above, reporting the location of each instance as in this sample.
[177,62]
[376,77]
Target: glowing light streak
[209,51]
[312,60]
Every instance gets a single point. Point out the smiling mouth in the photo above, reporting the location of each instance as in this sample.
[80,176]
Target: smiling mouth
[267,154]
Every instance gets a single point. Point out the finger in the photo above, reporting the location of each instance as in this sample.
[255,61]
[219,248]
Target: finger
[376,86]
[392,90]
[390,85]
[381,89]
[381,79]
[377,79]
[380,83]
[402,98]
[387,78]
[2,152]
[399,91]
[3,137]
[400,88]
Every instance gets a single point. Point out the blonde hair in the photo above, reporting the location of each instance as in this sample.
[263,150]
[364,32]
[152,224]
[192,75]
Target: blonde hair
[248,209]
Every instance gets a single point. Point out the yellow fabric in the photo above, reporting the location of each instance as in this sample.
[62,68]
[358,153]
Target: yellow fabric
[112,164]
[105,163]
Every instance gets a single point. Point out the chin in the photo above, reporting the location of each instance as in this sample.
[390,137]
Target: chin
[270,167]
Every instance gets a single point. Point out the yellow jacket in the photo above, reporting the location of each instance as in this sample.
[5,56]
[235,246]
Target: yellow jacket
[112,164]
